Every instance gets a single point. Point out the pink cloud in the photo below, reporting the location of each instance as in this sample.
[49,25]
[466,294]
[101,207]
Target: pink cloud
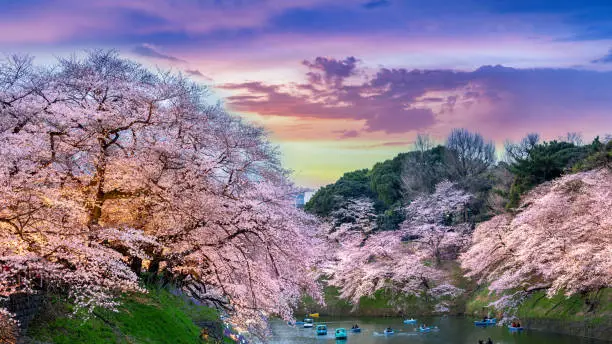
[495,98]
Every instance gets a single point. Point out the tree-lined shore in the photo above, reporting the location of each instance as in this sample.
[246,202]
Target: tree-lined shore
[537,221]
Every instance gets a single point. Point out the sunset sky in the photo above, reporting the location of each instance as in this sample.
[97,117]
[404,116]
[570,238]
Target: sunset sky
[341,84]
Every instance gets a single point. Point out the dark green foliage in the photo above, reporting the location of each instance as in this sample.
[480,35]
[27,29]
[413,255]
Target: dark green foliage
[543,162]
[354,184]
[599,155]
[382,184]
[391,218]
[423,170]
[386,181]
[393,183]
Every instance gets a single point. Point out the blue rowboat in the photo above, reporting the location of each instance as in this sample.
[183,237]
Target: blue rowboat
[514,329]
[410,321]
[387,332]
[321,330]
[487,322]
[356,330]
[341,333]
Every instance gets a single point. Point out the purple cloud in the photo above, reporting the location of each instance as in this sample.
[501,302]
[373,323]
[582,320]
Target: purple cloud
[333,70]
[400,100]
[197,73]
[148,50]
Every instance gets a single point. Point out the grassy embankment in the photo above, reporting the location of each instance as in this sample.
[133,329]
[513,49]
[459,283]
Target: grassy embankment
[156,317]
[593,307]
[586,314]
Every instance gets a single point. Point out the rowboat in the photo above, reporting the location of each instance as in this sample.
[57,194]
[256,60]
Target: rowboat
[341,333]
[410,321]
[308,323]
[514,329]
[321,330]
[486,322]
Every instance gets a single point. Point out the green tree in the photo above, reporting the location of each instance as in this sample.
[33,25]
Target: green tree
[386,181]
[355,184]
[599,155]
[540,163]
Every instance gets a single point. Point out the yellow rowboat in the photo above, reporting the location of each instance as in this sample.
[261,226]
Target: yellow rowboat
[314,315]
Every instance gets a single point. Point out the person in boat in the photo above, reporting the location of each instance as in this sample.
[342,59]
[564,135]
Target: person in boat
[485,319]
[480,341]
[389,329]
[356,326]
[518,324]
[489,341]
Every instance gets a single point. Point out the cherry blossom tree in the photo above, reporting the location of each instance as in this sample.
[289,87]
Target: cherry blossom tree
[110,169]
[385,260]
[8,327]
[354,215]
[436,221]
[560,240]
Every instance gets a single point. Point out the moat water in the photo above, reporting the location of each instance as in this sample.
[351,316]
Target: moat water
[451,330]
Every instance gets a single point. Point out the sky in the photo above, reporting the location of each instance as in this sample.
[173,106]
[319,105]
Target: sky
[343,84]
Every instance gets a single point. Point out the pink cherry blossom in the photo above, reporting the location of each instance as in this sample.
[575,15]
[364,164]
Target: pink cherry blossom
[109,169]
[366,262]
[560,239]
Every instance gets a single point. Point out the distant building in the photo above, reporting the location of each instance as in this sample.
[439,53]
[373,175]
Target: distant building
[303,197]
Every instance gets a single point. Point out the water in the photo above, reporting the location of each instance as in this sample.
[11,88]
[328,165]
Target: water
[452,330]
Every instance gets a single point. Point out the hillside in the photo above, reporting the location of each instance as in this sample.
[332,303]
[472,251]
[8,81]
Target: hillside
[156,317]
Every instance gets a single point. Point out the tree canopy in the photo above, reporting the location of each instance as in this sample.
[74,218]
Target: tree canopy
[110,169]
[559,241]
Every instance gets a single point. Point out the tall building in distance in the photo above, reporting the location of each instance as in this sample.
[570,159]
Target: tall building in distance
[303,197]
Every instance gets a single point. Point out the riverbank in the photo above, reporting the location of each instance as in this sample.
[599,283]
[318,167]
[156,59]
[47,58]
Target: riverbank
[586,315]
[156,317]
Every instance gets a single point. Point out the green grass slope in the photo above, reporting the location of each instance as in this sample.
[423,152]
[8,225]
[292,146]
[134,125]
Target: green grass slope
[156,317]
[587,314]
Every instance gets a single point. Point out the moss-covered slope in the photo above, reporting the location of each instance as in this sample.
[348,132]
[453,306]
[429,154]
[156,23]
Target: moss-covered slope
[156,317]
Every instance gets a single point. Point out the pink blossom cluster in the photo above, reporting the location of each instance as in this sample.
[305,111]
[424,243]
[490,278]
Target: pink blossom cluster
[560,239]
[366,261]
